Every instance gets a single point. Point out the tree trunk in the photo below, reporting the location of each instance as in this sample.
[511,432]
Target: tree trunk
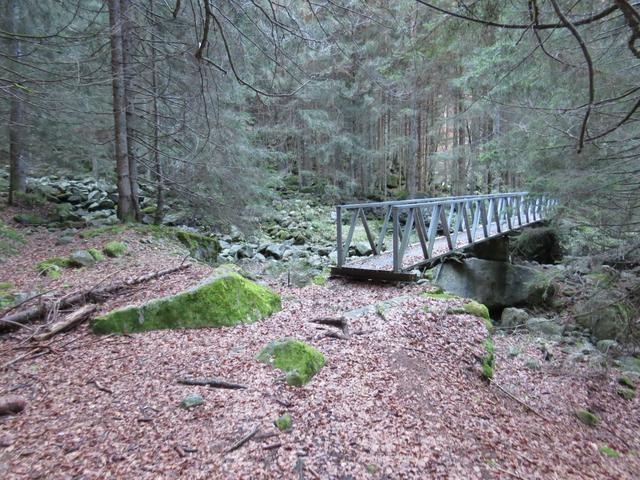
[17,127]
[127,65]
[159,175]
[126,210]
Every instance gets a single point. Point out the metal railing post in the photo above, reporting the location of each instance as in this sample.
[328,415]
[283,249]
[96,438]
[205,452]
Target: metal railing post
[339,236]
[396,240]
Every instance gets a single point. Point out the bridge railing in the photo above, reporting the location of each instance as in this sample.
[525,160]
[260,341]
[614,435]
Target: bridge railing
[463,219]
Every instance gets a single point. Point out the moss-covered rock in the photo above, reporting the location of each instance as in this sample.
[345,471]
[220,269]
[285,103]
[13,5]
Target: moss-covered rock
[440,295]
[96,254]
[52,267]
[225,299]
[626,382]
[81,258]
[488,359]
[30,219]
[477,309]
[626,393]
[539,244]
[284,422]
[115,249]
[588,418]
[201,248]
[299,361]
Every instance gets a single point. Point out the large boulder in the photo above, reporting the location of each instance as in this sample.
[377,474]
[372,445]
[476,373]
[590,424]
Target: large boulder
[224,299]
[538,244]
[201,248]
[606,314]
[495,284]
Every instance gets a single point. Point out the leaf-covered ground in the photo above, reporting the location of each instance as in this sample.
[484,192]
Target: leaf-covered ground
[402,398]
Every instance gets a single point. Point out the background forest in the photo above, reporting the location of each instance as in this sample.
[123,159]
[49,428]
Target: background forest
[214,102]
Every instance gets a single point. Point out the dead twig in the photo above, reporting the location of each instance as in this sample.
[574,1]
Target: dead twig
[243,440]
[99,386]
[211,382]
[521,402]
[70,321]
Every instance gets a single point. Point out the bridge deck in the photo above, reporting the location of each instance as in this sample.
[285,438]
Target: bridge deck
[464,220]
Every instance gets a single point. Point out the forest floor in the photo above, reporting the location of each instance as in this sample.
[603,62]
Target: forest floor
[401,398]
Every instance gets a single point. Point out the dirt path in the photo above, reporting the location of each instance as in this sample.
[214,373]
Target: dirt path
[402,398]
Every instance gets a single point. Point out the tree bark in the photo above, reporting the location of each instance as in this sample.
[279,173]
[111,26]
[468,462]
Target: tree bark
[126,211]
[17,127]
[159,175]
[127,66]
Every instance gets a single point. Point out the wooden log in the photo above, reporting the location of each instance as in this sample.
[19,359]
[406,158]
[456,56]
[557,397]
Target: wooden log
[70,321]
[212,382]
[11,404]
[81,297]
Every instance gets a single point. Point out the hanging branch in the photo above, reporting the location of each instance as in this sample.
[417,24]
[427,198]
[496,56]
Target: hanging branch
[587,57]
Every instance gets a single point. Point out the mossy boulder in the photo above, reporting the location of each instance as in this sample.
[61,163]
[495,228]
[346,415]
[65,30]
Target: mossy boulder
[588,418]
[538,244]
[30,219]
[477,309]
[81,258]
[201,248]
[115,249]
[223,300]
[298,360]
[606,314]
[52,267]
[96,254]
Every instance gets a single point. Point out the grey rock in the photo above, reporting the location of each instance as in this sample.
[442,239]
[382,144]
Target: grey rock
[273,250]
[363,249]
[608,346]
[495,284]
[513,317]
[191,401]
[544,326]
[82,258]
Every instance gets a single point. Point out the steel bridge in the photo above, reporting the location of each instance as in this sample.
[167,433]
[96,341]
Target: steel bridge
[425,230]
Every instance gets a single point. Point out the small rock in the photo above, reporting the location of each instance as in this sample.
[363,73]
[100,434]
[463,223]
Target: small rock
[544,326]
[363,249]
[608,346]
[81,258]
[191,401]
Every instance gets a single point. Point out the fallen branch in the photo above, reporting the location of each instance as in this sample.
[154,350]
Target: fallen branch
[70,321]
[273,446]
[243,440]
[211,382]
[524,404]
[11,404]
[82,297]
[36,352]
[99,386]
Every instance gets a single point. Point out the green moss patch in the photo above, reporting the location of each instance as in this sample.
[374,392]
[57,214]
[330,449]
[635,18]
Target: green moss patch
[627,382]
[52,267]
[10,240]
[114,249]
[201,248]
[30,219]
[608,451]
[225,299]
[95,232]
[96,254]
[299,361]
[588,418]
[440,295]
[626,393]
[284,422]
[477,309]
